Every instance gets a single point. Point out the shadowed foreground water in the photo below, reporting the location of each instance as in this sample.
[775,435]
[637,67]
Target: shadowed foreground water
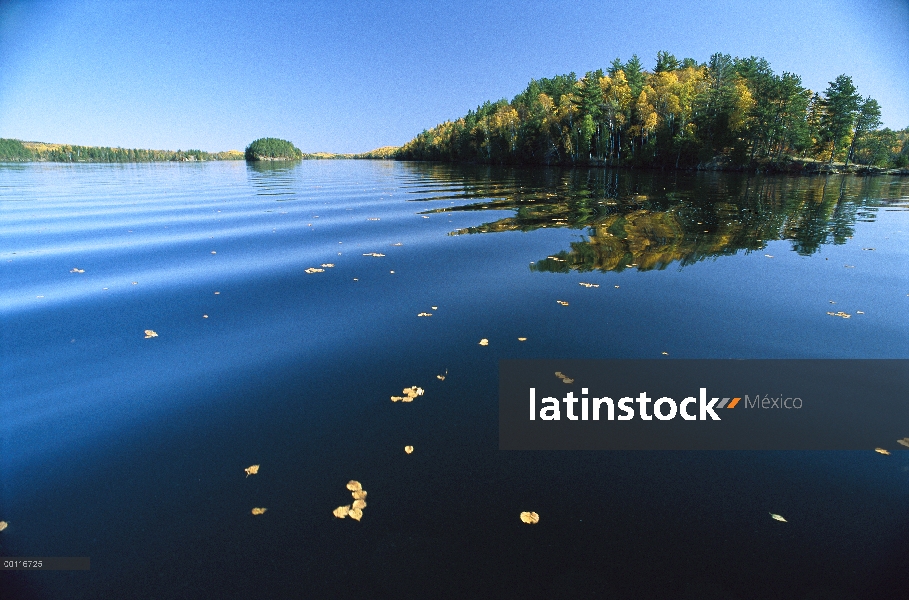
[132,451]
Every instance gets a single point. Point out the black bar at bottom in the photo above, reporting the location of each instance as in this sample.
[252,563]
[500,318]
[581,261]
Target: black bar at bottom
[44,563]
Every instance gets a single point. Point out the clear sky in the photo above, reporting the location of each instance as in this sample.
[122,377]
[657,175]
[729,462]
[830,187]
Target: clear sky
[355,75]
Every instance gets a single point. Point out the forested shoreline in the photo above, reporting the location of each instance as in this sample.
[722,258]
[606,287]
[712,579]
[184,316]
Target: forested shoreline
[728,113]
[18,151]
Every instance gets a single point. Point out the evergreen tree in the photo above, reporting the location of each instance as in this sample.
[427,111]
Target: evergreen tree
[841,105]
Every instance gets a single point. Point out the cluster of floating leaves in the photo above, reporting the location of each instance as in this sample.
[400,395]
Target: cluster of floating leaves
[259,511]
[355,510]
[839,314]
[563,377]
[376,254]
[562,302]
[78,271]
[589,285]
[408,449]
[3,525]
[314,270]
[903,442]
[484,342]
[150,334]
[778,518]
[252,470]
[409,394]
[531,518]
[424,314]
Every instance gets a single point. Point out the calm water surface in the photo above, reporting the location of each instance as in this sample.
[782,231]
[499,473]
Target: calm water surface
[132,450]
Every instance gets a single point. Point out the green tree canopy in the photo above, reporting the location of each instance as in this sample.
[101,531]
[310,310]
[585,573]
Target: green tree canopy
[272,149]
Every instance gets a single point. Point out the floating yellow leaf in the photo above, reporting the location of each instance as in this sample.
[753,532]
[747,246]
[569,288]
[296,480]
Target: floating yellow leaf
[408,449]
[778,518]
[665,354]
[616,287]
[484,342]
[358,494]
[3,525]
[258,511]
[531,518]
[522,339]
[904,441]
[78,271]
[434,307]
[839,314]
[562,302]
[251,470]
[359,504]
[376,254]
[328,265]
[424,314]
[150,334]
[590,285]
[356,514]
[881,451]
[443,376]
[314,270]
[354,486]
[559,374]
[341,511]
[397,398]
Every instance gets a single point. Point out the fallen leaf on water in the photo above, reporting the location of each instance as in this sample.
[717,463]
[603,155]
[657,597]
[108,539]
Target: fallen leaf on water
[616,287]
[3,525]
[522,339]
[258,511]
[397,398]
[589,285]
[354,486]
[424,314]
[484,342]
[251,470]
[904,442]
[376,254]
[530,518]
[408,449]
[341,511]
[150,334]
[356,514]
[881,451]
[434,307]
[442,377]
[204,316]
[567,380]
[562,302]
[859,312]
[769,255]
[314,270]
[839,314]
[665,354]
[78,271]
[328,265]
[359,504]
[216,293]
[358,494]
[778,518]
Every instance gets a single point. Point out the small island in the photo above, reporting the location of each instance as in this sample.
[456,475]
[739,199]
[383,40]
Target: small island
[272,149]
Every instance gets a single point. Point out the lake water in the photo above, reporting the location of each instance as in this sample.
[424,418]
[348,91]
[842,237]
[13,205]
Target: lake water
[132,451]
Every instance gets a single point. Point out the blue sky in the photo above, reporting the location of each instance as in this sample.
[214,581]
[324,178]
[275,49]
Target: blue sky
[352,76]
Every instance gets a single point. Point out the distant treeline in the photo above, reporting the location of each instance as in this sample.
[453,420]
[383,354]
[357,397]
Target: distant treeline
[18,151]
[15,150]
[681,114]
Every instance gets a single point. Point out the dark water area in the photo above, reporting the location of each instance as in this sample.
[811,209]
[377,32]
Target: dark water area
[131,450]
